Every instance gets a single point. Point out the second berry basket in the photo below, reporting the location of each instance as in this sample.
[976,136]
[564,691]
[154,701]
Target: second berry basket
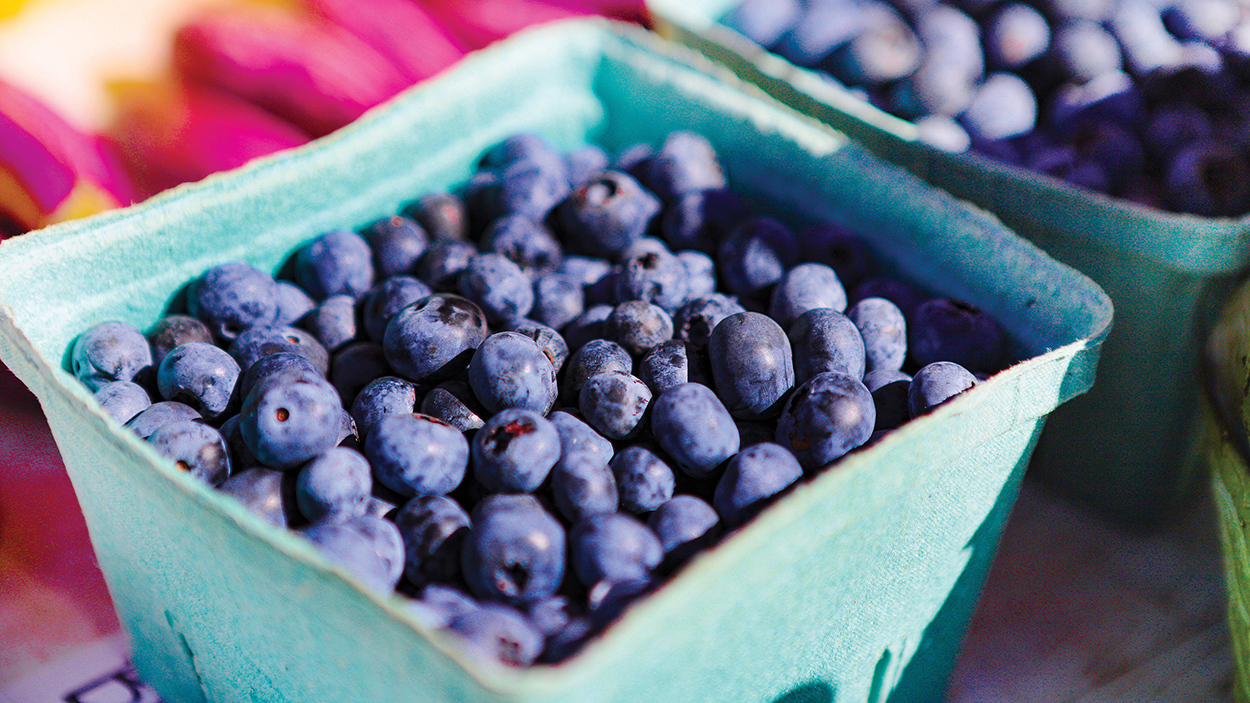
[857,585]
[1128,448]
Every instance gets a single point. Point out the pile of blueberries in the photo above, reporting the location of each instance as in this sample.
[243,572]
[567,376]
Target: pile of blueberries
[526,403]
[1140,99]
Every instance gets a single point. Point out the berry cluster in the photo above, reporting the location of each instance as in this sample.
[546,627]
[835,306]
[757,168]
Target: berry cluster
[525,404]
[1140,99]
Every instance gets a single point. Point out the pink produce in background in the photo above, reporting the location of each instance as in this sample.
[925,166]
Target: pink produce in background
[401,30]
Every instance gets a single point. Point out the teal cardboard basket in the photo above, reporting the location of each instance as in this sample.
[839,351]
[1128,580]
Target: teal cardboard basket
[1129,448]
[858,586]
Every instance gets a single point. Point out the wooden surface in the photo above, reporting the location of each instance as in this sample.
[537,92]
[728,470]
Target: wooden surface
[1074,609]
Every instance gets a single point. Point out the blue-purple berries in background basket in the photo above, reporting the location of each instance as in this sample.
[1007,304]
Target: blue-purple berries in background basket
[1140,99]
[520,481]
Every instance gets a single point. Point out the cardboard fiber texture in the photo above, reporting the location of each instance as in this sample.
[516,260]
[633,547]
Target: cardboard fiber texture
[1166,273]
[858,585]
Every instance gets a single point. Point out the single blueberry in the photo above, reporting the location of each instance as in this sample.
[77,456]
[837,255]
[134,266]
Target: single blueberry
[515,551]
[442,263]
[122,400]
[172,330]
[823,27]
[827,416]
[700,274]
[233,297]
[806,287]
[935,384]
[525,242]
[693,426]
[110,351]
[686,163]
[201,375]
[614,402]
[884,50]
[547,338]
[582,484]
[381,302]
[584,163]
[685,524]
[499,634]
[643,480]
[606,215]
[889,395]
[558,299]
[369,548]
[453,402]
[434,337]
[656,276]
[441,215]
[293,303]
[577,437]
[1085,50]
[587,326]
[638,326]
[160,413]
[756,255]
[262,340]
[415,454]
[944,329]
[1004,106]
[434,529]
[397,244]
[195,448]
[333,486]
[290,417]
[751,479]
[670,363]
[510,370]
[1015,35]
[752,366]
[695,320]
[333,321]
[884,331]
[338,261]
[514,451]
[613,547]
[764,21]
[1209,178]
[269,493]
[498,286]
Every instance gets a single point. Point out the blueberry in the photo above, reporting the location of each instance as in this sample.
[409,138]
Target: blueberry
[884,331]
[582,484]
[290,417]
[693,426]
[499,634]
[356,366]
[885,49]
[685,524]
[1110,96]
[906,296]
[756,255]
[233,297]
[548,340]
[669,364]
[699,220]
[584,269]
[195,448]
[1209,178]
[381,302]
[889,396]
[434,337]
[434,529]
[753,477]
[614,402]
[605,216]
[415,454]
[514,451]
[584,163]
[522,147]
[577,437]
[613,547]
[441,215]
[558,299]
[498,286]
[1004,106]
[525,242]
[158,414]
[823,27]
[806,287]
[397,244]
[442,263]
[943,133]
[840,249]
[638,326]
[936,383]
[446,602]
[110,351]
[550,615]
[333,486]
[594,357]
[1205,20]
[694,321]
[587,326]
[453,402]
[172,330]
[686,163]
[336,262]
[656,276]
[515,551]
[262,340]
[700,274]
[1015,35]
[367,547]
[1086,50]
[269,493]
[200,375]
[827,416]
[945,329]
[1145,41]
[122,400]
[644,481]
[751,363]
[510,370]
[333,321]
[293,303]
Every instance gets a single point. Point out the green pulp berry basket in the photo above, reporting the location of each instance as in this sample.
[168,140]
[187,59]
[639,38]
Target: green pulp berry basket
[856,586]
[1166,273]
[1227,435]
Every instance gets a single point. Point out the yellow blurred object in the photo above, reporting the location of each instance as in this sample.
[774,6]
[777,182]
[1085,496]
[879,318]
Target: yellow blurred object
[8,8]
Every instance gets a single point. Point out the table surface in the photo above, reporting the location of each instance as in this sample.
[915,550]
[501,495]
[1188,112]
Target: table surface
[1075,608]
